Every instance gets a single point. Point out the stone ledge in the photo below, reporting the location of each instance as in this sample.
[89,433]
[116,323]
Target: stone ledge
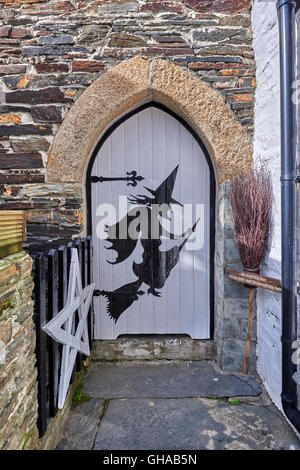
[156,347]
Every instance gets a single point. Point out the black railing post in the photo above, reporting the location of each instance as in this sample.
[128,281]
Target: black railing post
[79,357]
[62,277]
[70,245]
[52,311]
[89,281]
[62,286]
[84,261]
[41,341]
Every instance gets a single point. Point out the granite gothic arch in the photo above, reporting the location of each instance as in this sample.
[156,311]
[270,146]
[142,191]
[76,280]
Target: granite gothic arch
[130,84]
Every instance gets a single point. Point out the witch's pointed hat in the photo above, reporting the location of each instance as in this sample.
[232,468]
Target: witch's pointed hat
[163,194]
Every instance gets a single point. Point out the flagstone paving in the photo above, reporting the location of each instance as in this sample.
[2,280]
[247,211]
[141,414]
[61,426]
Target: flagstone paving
[173,406]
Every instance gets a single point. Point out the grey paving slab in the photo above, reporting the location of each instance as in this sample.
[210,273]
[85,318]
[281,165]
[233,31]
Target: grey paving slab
[165,380]
[162,406]
[82,425]
[182,424]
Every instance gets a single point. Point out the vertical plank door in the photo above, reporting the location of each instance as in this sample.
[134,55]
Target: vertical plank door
[159,286]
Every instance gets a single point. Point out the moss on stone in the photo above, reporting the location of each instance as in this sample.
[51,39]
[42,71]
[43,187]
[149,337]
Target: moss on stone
[7,304]
[28,436]
[235,401]
[78,396]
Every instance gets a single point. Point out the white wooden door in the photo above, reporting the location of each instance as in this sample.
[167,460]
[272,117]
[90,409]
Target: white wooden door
[160,286]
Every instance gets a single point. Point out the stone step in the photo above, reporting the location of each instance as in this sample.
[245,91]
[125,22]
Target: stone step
[154,347]
[165,379]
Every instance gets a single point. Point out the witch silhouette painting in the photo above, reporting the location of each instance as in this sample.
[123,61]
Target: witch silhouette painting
[156,265]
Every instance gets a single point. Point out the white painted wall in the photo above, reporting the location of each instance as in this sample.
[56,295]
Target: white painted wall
[267,147]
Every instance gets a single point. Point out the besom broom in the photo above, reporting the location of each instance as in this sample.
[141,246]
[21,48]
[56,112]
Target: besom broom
[251,198]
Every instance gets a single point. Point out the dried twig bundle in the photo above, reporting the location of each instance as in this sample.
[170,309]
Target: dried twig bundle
[251,198]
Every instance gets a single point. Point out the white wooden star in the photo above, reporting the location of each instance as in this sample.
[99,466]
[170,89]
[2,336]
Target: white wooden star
[62,327]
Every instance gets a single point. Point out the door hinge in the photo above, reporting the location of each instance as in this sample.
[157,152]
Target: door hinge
[132,178]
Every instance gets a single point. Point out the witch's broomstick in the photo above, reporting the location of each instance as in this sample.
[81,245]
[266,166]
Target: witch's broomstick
[189,233]
[249,334]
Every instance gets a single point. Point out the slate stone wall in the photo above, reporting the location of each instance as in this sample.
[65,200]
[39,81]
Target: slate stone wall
[18,375]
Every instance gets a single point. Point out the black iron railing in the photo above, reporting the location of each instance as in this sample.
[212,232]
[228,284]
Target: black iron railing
[51,274]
